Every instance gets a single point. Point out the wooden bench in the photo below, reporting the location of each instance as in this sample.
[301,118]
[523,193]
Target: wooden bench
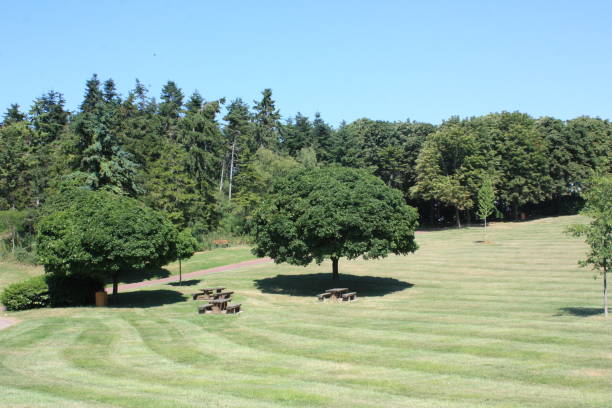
[207,293]
[349,297]
[221,242]
[233,309]
[324,296]
[205,308]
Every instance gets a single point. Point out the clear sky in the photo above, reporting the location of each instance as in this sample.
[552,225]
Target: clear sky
[389,60]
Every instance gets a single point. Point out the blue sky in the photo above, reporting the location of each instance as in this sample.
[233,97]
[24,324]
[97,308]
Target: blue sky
[388,60]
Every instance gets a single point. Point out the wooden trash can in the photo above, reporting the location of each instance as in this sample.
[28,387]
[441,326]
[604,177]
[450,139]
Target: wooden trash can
[101,299]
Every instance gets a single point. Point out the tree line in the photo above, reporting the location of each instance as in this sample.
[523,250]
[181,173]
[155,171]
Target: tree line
[208,163]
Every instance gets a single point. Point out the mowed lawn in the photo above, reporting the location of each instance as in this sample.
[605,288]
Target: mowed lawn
[515,323]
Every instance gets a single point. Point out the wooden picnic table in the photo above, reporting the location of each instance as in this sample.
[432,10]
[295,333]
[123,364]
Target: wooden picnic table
[336,293]
[211,290]
[219,305]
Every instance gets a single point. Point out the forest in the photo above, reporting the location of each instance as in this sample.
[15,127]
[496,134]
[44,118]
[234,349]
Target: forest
[207,164]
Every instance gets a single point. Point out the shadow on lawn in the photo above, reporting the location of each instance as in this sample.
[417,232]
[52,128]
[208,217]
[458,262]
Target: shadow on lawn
[141,275]
[146,298]
[191,282]
[314,283]
[580,311]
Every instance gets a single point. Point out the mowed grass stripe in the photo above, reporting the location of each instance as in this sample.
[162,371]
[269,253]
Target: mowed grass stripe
[482,326]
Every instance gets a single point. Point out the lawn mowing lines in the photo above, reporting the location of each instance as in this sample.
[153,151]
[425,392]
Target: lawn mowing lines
[452,380]
[28,398]
[474,353]
[390,335]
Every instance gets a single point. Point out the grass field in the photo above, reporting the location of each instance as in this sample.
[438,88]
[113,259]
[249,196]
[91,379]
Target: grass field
[14,272]
[514,323]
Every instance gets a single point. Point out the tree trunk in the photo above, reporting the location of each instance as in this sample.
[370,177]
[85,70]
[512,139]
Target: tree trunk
[115,283]
[180,273]
[469,217]
[515,208]
[231,170]
[485,230]
[222,174]
[458,215]
[13,240]
[335,274]
[605,292]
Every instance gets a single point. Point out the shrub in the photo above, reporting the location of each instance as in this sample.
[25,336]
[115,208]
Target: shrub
[72,290]
[29,294]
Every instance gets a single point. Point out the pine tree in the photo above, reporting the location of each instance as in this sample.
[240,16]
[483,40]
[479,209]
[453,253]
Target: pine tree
[13,115]
[267,125]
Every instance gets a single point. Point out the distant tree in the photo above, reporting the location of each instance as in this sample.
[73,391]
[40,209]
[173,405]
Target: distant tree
[486,202]
[48,117]
[297,134]
[101,235]
[13,220]
[322,139]
[13,115]
[333,212]
[241,143]
[15,166]
[598,232]
[186,246]
[267,123]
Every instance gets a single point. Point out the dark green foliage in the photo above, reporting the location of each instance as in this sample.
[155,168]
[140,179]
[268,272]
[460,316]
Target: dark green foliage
[48,117]
[100,234]
[29,294]
[333,212]
[13,115]
[267,125]
[72,290]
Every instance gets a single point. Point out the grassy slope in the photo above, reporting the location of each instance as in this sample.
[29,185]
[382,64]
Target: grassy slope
[511,324]
[14,272]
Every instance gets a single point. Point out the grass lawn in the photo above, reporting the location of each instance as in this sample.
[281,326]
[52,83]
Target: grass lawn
[515,323]
[14,272]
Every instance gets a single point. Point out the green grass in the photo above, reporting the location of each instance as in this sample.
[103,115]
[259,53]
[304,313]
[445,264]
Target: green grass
[11,272]
[514,323]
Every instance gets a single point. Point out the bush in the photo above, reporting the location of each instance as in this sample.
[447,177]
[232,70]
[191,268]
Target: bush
[72,290]
[29,294]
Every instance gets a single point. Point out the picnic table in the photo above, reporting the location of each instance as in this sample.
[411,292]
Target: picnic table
[336,293]
[210,291]
[218,305]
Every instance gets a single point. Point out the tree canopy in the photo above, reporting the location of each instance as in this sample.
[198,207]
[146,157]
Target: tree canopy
[101,234]
[333,212]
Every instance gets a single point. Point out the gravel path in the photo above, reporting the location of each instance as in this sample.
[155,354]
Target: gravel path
[7,322]
[189,275]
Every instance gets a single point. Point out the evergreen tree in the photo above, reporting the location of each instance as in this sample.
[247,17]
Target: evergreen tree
[322,139]
[267,125]
[13,115]
[241,142]
[48,117]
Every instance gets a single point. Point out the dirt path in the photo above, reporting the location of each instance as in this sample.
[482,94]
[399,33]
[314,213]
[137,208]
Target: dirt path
[175,278]
[7,322]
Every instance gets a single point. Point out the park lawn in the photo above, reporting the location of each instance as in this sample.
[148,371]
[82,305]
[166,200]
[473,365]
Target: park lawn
[14,272]
[514,323]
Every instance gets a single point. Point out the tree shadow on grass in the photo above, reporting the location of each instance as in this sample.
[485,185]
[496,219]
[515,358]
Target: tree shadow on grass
[191,282]
[146,298]
[314,283]
[141,275]
[580,311]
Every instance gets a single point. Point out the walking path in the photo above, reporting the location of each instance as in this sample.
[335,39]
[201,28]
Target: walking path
[175,278]
[7,322]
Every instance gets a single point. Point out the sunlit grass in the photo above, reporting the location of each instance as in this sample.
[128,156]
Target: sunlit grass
[515,323]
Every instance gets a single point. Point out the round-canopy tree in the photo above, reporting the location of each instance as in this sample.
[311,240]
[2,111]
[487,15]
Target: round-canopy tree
[333,212]
[101,234]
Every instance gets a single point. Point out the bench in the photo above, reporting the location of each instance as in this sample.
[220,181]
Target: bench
[221,242]
[348,297]
[233,309]
[205,308]
[222,295]
[324,296]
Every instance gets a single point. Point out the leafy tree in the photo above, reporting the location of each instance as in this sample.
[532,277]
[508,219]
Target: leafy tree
[13,115]
[333,212]
[598,232]
[267,125]
[451,164]
[186,246]
[486,202]
[239,134]
[13,220]
[102,235]
[523,161]
[15,165]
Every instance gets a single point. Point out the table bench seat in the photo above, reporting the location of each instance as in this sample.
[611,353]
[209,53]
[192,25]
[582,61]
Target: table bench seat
[348,297]
[323,296]
[233,309]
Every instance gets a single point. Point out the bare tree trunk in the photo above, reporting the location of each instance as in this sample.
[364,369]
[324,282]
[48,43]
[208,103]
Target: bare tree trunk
[231,169]
[222,171]
[115,283]
[13,232]
[515,209]
[605,292]
[335,274]
[469,217]
[180,273]
[458,215]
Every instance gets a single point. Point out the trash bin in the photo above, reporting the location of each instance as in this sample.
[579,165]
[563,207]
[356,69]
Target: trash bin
[101,299]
